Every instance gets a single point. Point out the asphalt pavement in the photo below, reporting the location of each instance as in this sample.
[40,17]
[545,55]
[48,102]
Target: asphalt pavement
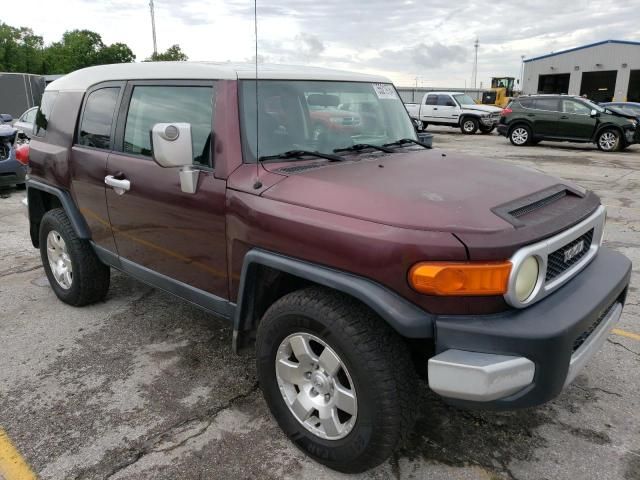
[145,386]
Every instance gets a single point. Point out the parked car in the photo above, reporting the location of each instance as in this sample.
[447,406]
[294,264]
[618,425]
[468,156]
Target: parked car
[13,159]
[356,263]
[529,119]
[5,118]
[25,122]
[455,109]
[628,108]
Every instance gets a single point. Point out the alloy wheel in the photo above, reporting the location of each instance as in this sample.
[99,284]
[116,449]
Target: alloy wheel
[316,386]
[59,260]
[520,136]
[468,126]
[608,141]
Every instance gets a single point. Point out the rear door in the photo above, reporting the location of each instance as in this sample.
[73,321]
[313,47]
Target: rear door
[92,146]
[426,109]
[545,117]
[157,226]
[576,121]
[447,110]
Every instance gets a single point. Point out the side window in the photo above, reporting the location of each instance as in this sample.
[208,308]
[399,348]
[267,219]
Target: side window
[548,104]
[571,106]
[43,115]
[431,100]
[159,104]
[30,116]
[446,101]
[525,102]
[97,119]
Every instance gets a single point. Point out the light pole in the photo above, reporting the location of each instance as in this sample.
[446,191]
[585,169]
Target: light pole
[153,28]
[522,74]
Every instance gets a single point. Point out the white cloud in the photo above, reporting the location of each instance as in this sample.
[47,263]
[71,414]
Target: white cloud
[403,39]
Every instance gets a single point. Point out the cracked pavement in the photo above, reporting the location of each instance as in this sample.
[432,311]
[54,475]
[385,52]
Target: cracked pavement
[145,386]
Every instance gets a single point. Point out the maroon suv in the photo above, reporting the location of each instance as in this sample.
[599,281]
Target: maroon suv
[357,260]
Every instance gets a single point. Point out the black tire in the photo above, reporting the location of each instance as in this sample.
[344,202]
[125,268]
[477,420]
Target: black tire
[469,125]
[609,140]
[485,130]
[424,125]
[378,363]
[21,186]
[89,278]
[520,135]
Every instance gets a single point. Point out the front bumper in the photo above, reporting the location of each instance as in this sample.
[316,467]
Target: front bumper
[12,172]
[525,357]
[632,135]
[489,121]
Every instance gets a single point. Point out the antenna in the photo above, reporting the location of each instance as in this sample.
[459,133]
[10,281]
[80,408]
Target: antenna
[474,73]
[153,28]
[258,183]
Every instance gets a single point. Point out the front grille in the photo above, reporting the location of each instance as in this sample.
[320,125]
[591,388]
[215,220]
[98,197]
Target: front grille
[577,343]
[522,211]
[556,264]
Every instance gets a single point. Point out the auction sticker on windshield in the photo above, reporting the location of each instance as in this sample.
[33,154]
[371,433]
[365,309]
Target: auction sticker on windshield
[385,91]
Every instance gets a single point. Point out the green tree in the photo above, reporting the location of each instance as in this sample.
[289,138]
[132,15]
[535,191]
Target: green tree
[23,51]
[173,54]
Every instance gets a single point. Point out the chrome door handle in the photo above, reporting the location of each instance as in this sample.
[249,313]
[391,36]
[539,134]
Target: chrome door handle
[120,186]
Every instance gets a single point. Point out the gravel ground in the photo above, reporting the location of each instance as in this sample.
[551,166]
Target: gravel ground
[144,386]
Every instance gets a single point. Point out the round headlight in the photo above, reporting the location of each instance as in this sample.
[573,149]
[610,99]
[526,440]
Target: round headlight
[527,278]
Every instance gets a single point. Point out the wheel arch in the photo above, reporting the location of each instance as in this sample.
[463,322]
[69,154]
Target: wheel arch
[607,126]
[464,116]
[519,122]
[267,276]
[41,198]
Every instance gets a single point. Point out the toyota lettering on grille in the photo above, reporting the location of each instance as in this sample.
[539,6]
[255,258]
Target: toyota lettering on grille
[569,253]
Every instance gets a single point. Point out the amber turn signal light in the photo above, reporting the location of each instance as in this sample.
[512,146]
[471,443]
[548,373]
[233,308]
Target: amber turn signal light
[451,278]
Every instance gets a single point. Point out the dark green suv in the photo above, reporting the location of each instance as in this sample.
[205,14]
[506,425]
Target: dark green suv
[529,119]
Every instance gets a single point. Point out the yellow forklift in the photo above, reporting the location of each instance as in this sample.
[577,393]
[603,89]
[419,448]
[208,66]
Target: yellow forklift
[500,93]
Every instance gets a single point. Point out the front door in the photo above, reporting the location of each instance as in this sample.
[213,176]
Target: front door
[155,224]
[576,120]
[446,111]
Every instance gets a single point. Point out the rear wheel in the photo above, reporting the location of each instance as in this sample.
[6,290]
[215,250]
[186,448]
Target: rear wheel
[338,380]
[609,140]
[469,126]
[75,273]
[520,135]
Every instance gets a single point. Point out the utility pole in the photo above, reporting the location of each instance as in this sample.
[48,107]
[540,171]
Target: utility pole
[474,73]
[522,74]
[153,28]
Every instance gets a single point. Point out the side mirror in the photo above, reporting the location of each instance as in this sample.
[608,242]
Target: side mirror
[595,113]
[171,144]
[172,147]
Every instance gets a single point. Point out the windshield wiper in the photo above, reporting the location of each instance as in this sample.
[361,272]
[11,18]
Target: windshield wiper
[406,141]
[361,146]
[301,153]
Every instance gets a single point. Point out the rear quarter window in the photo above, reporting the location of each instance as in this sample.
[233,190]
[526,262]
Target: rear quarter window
[43,116]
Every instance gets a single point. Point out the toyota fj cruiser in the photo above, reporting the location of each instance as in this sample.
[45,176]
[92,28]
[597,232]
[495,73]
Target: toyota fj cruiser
[354,258]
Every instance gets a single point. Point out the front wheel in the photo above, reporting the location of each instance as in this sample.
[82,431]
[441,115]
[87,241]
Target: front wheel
[338,380]
[520,135]
[469,126]
[424,125]
[609,140]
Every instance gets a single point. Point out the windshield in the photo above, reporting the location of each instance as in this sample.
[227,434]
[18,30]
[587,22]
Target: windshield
[592,105]
[464,99]
[319,116]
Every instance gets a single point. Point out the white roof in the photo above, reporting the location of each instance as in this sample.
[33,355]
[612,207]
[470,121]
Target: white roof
[81,80]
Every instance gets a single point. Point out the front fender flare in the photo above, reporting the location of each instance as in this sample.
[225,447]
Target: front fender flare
[403,316]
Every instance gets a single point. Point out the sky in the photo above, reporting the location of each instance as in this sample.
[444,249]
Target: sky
[426,43]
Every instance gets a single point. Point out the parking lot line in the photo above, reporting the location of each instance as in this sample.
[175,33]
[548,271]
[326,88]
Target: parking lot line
[12,465]
[624,333]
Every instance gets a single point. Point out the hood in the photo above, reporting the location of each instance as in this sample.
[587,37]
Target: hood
[483,108]
[417,189]
[621,112]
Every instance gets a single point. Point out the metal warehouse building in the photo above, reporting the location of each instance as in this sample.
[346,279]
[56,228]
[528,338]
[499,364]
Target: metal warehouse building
[603,71]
